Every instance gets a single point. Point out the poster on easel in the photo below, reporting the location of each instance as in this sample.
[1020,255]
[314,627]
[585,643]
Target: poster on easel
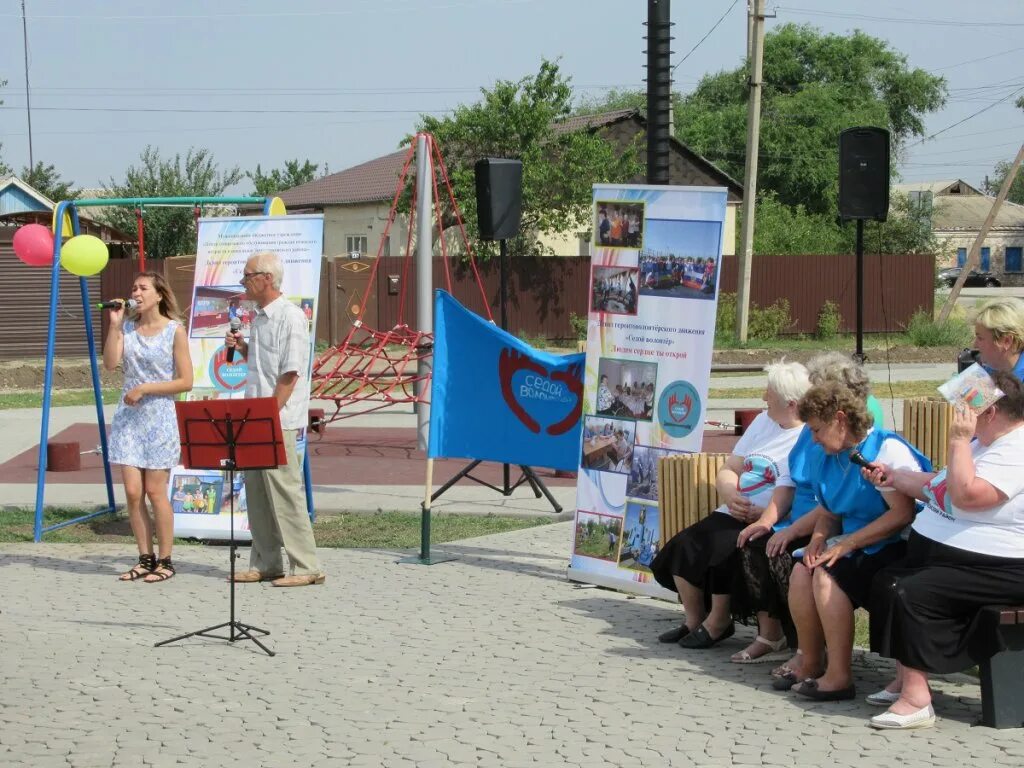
[655,267]
[201,499]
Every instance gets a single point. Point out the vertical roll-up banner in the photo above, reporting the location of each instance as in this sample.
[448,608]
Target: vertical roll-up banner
[657,255]
[201,499]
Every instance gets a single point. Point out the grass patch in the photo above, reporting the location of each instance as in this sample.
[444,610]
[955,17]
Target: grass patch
[882,389]
[58,397]
[394,530]
[803,342]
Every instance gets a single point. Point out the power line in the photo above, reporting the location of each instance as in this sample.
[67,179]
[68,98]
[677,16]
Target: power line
[969,117]
[185,110]
[973,61]
[706,36]
[902,20]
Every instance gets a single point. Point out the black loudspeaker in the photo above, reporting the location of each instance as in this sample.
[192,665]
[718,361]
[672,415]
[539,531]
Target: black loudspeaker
[499,197]
[864,174]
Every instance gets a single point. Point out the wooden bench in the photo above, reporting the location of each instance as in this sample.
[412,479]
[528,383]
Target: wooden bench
[686,490]
[926,426]
[1002,676]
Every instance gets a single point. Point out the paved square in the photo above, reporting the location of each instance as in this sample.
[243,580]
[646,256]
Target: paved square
[490,660]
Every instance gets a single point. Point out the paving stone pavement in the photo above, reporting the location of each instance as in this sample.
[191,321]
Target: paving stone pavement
[493,659]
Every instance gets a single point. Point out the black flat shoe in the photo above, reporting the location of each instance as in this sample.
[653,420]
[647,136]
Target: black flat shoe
[784,682]
[809,690]
[700,638]
[674,635]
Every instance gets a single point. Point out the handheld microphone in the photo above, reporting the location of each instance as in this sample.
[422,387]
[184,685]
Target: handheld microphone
[860,461]
[236,326]
[117,304]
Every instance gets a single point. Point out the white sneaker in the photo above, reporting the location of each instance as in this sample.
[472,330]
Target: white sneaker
[883,698]
[923,718]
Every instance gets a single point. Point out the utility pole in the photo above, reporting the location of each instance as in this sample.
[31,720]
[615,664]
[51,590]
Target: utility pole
[750,173]
[28,102]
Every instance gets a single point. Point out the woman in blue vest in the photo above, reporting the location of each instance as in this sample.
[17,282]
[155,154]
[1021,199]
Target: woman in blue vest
[856,534]
[767,562]
[999,336]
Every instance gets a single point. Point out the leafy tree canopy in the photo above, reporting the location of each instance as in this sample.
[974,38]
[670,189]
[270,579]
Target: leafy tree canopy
[169,231]
[815,85]
[47,180]
[519,120]
[279,179]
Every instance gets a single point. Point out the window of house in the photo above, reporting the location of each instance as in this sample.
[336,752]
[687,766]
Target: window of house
[355,243]
[1013,258]
[986,259]
[961,257]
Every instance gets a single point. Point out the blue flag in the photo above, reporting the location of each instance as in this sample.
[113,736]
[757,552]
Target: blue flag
[496,398]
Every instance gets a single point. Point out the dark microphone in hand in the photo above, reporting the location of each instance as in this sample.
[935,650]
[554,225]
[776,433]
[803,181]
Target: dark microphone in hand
[117,304]
[236,326]
[860,461]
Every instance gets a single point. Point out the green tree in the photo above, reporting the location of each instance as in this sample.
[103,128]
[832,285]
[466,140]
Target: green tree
[169,231]
[46,179]
[994,182]
[815,85]
[279,179]
[520,120]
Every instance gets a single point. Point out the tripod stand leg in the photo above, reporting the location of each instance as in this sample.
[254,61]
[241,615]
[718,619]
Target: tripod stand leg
[536,482]
[461,474]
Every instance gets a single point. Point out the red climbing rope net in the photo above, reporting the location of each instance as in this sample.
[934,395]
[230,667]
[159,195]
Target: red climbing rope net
[373,369]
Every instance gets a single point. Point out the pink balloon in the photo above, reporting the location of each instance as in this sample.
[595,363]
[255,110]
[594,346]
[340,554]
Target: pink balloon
[33,244]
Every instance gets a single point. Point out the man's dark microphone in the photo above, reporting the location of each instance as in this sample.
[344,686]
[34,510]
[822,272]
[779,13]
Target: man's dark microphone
[236,326]
[117,304]
[860,461]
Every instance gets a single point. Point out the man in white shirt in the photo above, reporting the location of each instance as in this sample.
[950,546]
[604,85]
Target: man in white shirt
[278,356]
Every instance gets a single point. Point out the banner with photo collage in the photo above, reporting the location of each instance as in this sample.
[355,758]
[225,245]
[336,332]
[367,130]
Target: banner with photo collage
[655,264]
[201,499]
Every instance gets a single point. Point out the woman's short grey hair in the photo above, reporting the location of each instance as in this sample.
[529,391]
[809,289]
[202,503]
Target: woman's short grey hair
[788,380]
[268,262]
[835,366]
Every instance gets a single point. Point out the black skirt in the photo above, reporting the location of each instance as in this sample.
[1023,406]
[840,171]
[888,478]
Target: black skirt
[762,584]
[925,610]
[704,554]
[854,574]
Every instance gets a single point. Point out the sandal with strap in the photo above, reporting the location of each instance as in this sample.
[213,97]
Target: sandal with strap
[163,571]
[141,569]
[777,649]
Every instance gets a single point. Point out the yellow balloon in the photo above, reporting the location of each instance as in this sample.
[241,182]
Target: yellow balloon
[84,255]
[277,207]
[66,229]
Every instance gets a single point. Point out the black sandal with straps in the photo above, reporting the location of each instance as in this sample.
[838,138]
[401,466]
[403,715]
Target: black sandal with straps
[162,572]
[141,569]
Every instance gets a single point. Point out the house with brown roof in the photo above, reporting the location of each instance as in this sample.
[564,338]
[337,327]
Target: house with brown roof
[958,210]
[356,201]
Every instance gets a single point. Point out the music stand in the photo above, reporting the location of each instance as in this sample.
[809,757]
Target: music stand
[227,435]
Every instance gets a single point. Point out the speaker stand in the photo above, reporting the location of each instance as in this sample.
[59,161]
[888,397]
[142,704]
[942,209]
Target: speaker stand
[528,475]
[859,355]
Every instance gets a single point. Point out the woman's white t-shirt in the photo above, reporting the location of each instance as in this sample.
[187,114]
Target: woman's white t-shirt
[764,448]
[998,530]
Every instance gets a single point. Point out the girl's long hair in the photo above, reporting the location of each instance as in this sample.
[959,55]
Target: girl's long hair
[168,304]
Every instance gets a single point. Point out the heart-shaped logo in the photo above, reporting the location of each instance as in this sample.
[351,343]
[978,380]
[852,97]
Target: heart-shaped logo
[538,396]
[228,376]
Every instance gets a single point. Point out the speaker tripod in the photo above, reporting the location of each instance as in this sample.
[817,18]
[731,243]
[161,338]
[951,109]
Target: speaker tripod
[528,475]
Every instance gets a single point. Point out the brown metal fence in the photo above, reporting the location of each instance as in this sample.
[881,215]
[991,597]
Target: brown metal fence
[543,292]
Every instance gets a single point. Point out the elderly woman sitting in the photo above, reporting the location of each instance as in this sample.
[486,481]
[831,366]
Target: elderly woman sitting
[702,558]
[768,562]
[966,550]
[999,336]
[856,534]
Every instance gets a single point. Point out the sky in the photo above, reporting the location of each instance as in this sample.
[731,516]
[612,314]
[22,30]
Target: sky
[340,82]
